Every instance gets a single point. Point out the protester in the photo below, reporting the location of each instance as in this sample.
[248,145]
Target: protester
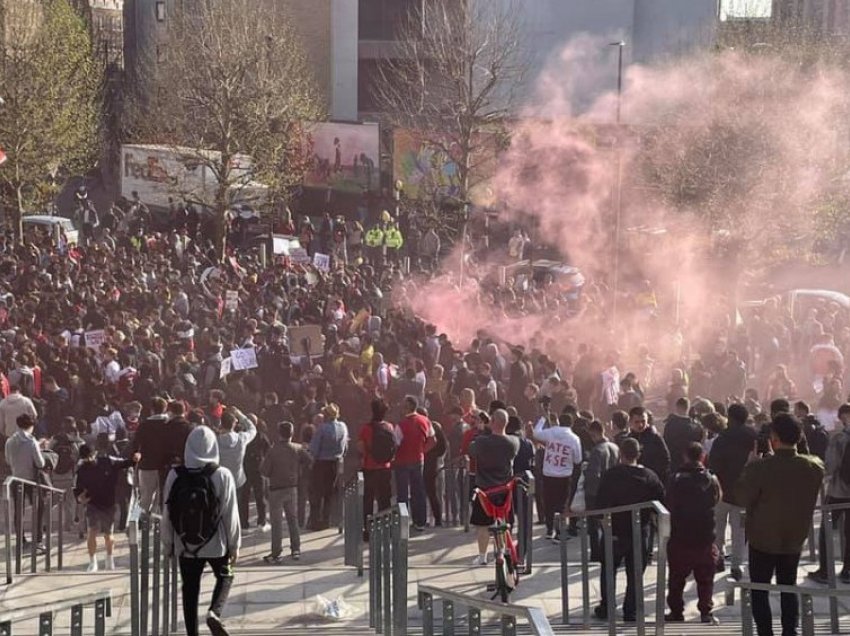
[729,455]
[779,493]
[494,455]
[282,466]
[691,549]
[25,458]
[626,484]
[186,536]
[328,448]
[679,431]
[603,455]
[414,436]
[433,472]
[837,492]
[97,480]
[563,456]
[377,447]
[12,407]
[232,445]
[149,442]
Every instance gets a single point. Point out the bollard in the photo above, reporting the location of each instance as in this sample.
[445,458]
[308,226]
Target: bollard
[746,612]
[48,543]
[133,540]
[400,545]
[8,532]
[663,520]
[60,543]
[156,567]
[561,525]
[34,529]
[448,618]
[807,615]
[19,528]
[826,524]
[427,603]
[608,565]
[585,567]
[638,548]
[144,565]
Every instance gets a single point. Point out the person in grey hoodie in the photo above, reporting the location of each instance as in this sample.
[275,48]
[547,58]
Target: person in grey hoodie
[221,552]
[232,443]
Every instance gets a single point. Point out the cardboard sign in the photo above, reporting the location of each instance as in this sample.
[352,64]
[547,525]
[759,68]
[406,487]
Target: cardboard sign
[299,255]
[313,333]
[94,339]
[231,300]
[322,262]
[225,368]
[243,359]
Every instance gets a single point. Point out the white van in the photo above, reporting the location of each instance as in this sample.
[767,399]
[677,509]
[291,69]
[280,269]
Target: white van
[48,223]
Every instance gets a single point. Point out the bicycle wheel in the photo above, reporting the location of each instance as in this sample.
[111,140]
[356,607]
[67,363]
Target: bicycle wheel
[503,589]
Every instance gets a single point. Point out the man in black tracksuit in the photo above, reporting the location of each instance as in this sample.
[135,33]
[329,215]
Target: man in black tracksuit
[653,451]
[679,432]
[625,484]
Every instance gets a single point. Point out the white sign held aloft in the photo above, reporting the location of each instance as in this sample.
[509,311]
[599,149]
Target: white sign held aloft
[225,369]
[243,359]
[322,262]
[231,300]
[94,339]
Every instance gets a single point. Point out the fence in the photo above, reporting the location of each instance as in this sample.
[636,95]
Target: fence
[389,532]
[153,579]
[524,502]
[15,491]
[44,613]
[534,616]
[352,516]
[637,551]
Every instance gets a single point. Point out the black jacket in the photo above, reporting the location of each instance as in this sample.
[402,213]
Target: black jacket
[623,485]
[691,498]
[654,454]
[99,478]
[680,431]
[729,455]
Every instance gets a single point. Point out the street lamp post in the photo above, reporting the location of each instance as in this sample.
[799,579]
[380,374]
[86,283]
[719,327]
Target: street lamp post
[618,184]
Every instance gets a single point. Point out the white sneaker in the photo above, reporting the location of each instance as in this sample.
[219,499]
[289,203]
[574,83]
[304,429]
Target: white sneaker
[479,560]
[266,527]
[92,566]
[110,563]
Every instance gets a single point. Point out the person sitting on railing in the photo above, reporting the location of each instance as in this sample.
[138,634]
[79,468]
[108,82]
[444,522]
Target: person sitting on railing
[691,498]
[779,493]
[624,485]
[25,459]
[97,481]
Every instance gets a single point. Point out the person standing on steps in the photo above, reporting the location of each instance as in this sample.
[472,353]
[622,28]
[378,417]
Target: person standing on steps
[561,458]
[200,526]
[779,492]
[97,480]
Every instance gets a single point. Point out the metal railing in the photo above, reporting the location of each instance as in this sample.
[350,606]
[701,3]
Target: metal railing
[389,532]
[453,494]
[102,602]
[525,523]
[534,616]
[15,490]
[352,515]
[153,579]
[807,596]
[637,551]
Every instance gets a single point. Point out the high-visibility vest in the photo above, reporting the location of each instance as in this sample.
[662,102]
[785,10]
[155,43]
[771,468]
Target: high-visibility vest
[374,237]
[394,239]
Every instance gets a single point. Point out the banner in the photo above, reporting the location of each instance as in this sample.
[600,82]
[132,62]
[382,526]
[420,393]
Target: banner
[345,157]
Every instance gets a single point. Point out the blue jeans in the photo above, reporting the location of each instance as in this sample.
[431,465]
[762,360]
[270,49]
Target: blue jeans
[410,487]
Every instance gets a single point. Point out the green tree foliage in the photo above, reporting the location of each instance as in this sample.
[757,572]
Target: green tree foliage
[51,84]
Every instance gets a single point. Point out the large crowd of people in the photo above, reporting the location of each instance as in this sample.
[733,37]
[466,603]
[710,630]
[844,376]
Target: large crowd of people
[137,368]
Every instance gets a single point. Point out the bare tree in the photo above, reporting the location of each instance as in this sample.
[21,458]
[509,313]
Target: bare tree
[230,96]
[454,79]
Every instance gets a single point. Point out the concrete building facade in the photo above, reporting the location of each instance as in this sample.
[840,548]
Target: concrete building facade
[327,29]
[832,17]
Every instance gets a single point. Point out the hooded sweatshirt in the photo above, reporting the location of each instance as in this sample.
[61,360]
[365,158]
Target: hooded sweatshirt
[11,408]
[202,449]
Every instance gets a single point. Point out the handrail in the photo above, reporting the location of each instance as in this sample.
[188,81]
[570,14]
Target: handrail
[637,555]
[34,611]
[806,594]
[10,479]
[535,616]
[13,506]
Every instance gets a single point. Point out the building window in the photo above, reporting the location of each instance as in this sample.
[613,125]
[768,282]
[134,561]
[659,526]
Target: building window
[381,19]
[160,10]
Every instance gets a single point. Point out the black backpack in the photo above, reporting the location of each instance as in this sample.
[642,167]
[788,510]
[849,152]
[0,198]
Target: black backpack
[68,455]
[383,443]
[193,507]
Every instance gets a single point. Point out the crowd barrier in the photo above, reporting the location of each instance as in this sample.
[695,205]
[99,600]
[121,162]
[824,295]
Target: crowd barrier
[153,579]
[352,516]
[533,616]
[638,553]
[389,533]
[42,499]
[807,596]
[101,602]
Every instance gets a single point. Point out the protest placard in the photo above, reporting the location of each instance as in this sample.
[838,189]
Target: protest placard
[231,299]
[314,337]
[243,359]
[322,262]
[94,339]
[225,369]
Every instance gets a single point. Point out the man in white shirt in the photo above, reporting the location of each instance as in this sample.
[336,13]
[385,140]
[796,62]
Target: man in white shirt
[111,367]
[563,454]
[13,407]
